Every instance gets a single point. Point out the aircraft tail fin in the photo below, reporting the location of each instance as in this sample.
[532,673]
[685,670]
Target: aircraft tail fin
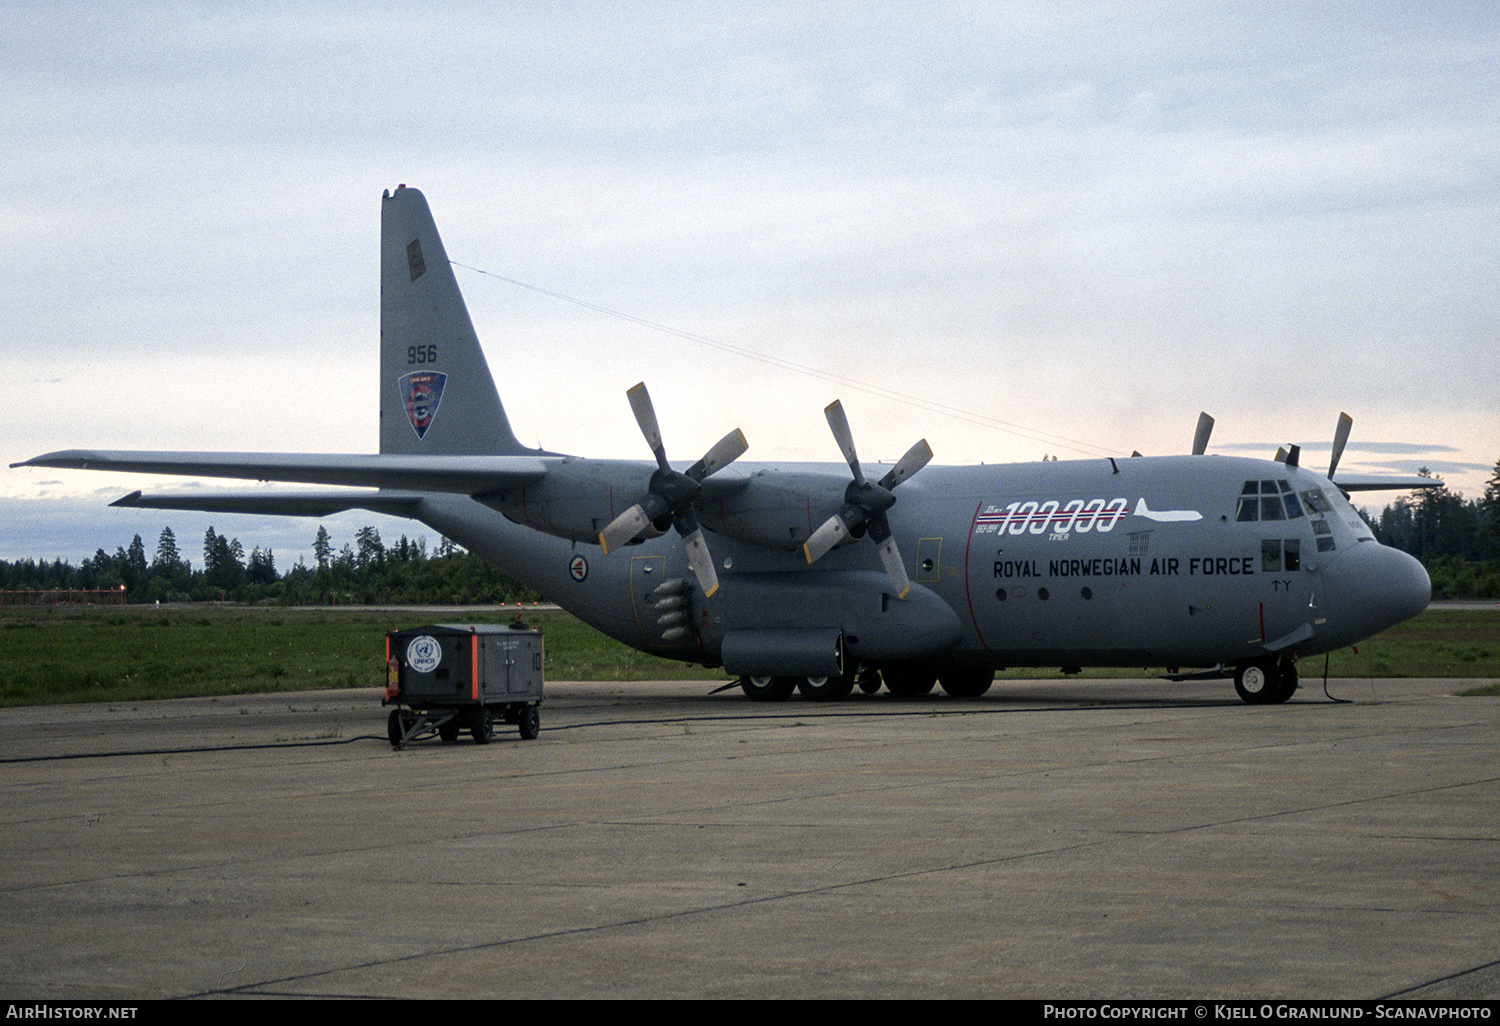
[436,392]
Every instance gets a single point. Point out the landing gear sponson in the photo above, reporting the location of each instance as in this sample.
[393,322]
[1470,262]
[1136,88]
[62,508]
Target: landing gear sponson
[1265,681]
[904,680]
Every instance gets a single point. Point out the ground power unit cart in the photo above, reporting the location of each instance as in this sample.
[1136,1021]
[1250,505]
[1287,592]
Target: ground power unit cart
[446,678]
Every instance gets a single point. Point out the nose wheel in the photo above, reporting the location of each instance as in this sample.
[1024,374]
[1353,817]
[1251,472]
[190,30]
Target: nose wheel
[1266,681]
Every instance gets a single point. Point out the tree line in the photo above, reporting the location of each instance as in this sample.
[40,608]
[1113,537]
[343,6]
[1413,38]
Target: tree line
[1458,540]
[365,572]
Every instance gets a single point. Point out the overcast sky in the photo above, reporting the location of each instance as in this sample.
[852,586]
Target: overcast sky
[1017,229]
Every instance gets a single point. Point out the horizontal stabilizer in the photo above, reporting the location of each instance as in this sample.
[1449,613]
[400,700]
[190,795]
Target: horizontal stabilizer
[289,504]
[464,475]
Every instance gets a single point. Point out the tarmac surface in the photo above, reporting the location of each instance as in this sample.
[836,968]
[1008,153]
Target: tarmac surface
[1073,839]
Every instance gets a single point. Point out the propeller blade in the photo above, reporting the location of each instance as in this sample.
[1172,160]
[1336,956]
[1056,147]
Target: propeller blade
[670,492]
[1281,454]
[1200,437]
[645,416]
[834,411]
[894,567]
[833,531]
[1340,439]
[624,528]
[700,561]
[865,504]
[728,449]
[917,457]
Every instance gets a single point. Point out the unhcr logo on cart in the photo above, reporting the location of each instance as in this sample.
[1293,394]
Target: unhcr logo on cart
[424,653]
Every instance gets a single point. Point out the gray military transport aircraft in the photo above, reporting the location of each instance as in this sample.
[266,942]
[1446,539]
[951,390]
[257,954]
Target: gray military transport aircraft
[817,577]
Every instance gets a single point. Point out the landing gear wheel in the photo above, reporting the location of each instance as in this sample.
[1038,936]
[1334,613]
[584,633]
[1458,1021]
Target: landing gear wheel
[395,729]
[448,730]
[1287,681]
[1252,682]
[1266,681]
[481,727]
[909,680]
[768,689]
[825,689]
[869,681]
[530,720]
[966,681]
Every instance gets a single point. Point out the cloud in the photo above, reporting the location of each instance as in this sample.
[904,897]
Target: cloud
[1076,225]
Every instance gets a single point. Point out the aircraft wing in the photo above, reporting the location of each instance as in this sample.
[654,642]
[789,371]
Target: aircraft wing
[1365,483]
[293,504]
[466,475]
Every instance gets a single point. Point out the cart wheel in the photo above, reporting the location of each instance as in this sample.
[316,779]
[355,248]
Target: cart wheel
[394,728]
[531,723]
[482,727]
[448,729]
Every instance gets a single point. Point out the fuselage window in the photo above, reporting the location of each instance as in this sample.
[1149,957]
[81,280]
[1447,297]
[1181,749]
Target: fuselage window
[1270,556]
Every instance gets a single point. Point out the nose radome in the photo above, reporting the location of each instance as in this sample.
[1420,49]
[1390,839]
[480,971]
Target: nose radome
[1371,588]
[1408,586]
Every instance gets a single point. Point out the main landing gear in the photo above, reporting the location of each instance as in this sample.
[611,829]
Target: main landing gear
[1266,681]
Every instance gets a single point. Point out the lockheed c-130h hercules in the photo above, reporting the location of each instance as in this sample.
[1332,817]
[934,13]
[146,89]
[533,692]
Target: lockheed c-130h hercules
[818,577]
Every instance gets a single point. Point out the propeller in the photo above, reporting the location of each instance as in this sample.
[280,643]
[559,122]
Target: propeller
[1200,437]
[865,503]
[669,495]
[1290,456]
[1340,439]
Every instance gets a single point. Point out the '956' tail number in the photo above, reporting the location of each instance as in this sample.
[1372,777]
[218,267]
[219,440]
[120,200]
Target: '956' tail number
[1052,516]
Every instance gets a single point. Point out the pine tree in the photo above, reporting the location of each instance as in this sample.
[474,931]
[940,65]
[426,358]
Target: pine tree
[1489,516]
[168,559]
[322,548]
[371,551]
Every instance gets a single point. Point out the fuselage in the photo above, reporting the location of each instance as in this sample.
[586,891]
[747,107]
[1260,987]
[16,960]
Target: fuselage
[1152,562]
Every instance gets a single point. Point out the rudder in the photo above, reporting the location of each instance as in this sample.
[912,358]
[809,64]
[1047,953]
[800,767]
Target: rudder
[436,392]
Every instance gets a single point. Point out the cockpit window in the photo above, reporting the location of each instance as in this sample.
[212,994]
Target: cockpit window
[1267,500]
[1316,501]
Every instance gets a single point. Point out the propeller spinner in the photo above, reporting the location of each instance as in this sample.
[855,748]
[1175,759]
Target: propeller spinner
[865,503]
[669,495]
